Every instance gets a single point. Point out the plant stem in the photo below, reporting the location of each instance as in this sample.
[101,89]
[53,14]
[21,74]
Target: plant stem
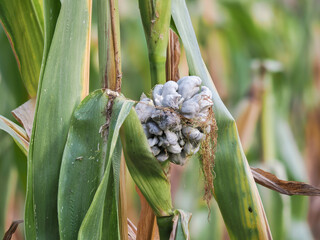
[155,15]
[109,44]
[115,30]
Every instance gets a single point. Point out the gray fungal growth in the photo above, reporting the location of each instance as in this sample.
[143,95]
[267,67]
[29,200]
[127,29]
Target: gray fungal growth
[164,117]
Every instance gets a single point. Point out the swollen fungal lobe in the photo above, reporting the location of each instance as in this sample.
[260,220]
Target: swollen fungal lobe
[189,86]
[166,119]
[153,141]
[157,94]
[193,134]
[146,131]
[169,135]
[144,109]
[154,129]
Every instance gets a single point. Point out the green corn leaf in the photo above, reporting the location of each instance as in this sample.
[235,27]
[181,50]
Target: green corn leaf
[155,16]
[95,219]
[82,164]
[64,84]
[233,176]
[165,225]
[175,227]
[38,8]
[144,168]
[12,94]
[111,215]
[51,11]
[18,134]
[24,31]
[8,178]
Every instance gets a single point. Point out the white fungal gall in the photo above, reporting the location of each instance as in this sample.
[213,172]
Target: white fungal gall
[162,156]
[169,88]
[191,107]
[192,134]
[144,109]
[154,129]
[167,118]
[157,94]
[146,131]
[189,86]
[172,138]
[153,141]
[174,148]
[155,150]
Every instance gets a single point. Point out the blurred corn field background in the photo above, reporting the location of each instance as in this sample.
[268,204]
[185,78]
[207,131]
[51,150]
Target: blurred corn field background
[264,59]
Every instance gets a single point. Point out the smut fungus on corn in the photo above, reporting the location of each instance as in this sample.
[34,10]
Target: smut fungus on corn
[175,120]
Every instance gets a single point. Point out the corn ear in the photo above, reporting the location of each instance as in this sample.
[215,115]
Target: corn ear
[144,168]
[233,176]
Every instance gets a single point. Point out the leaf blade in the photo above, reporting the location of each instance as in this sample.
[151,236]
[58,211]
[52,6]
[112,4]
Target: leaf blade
[82,164]
[26,39]
[290,188]
[17,133]
[92,223]
[144,167]
[67,60]
[231,166]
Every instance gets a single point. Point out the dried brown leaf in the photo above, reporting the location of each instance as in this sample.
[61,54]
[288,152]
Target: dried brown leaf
[270,181]
[123,202]
[147,225]
[174,227]
[132,230]
[13,227]
[25,115]
[173,57]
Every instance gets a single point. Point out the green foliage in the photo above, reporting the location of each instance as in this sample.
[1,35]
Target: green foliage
[144,168]
[63,85]
[155,16]
[233,175]
[16,132]
[25,34]
[95,219]
[83,163]
[12,93]
[73,188]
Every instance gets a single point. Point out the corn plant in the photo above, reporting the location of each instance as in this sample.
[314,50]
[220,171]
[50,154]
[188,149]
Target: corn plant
[74,139]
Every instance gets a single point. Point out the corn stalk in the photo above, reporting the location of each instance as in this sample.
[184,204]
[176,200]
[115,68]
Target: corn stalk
[155,16]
